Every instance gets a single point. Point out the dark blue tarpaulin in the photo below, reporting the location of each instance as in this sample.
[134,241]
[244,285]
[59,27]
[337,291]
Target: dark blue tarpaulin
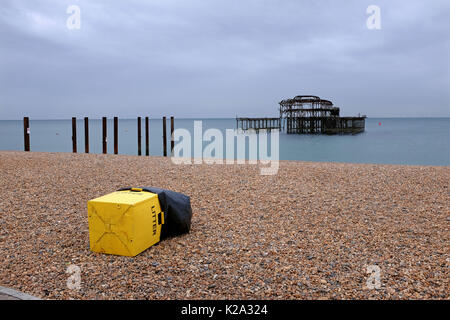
[177,211]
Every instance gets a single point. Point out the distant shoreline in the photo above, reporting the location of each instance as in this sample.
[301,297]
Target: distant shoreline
[18,153]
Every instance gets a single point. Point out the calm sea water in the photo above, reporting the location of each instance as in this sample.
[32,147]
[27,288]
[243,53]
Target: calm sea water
[417,141]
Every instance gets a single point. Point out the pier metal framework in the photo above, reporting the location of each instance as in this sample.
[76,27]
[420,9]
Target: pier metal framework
[306,115]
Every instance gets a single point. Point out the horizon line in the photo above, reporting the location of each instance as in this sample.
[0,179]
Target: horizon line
[211,118]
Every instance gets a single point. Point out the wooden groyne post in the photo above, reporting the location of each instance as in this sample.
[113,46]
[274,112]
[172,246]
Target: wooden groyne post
[104,135]
[74,134]
[116,135]
[139,133]
[164,138]
[147,138]
[86,134]
[26,133]
[172,141]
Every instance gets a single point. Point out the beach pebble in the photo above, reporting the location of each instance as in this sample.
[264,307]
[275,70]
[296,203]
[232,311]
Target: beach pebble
[312,231]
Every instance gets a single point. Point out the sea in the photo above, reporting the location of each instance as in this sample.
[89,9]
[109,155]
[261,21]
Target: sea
[410,141]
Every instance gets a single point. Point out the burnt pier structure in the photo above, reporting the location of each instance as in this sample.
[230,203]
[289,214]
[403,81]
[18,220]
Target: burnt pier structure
[306,115]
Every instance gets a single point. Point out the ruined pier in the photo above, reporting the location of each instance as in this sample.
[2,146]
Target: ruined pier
[306,115]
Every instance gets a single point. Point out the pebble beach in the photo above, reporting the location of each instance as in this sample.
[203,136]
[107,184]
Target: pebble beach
[309,232]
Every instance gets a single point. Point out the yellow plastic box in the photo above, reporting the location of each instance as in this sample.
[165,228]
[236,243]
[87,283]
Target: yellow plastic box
[124,222]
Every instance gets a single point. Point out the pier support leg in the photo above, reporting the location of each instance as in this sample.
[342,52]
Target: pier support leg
[74,135]
[104,135]
[86,134]
[116,135]
[172,141]
[164,138]
[26,133]
[139,135]
[147,135]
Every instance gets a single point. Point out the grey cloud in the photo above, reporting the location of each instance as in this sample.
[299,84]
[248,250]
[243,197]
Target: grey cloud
[221,58]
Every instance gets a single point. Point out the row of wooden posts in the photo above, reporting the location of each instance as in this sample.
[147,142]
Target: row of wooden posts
[26,130]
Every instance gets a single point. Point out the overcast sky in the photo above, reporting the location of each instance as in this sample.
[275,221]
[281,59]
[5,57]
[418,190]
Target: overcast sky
[222,58]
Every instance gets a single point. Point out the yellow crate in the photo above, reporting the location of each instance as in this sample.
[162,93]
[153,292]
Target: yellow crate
[124,222]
